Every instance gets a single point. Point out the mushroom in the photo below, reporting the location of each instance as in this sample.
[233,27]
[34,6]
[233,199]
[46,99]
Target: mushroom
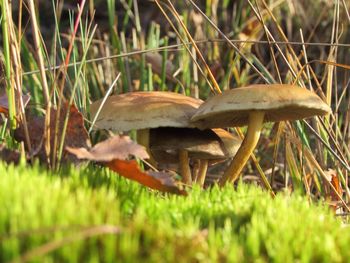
[142,111]
[207,146]
[252,106]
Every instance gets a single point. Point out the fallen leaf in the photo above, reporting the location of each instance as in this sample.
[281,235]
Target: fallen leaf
[156,61]
[36,132]
[161,181]
[116,147]
[333,197]
[76,134]
[8,155]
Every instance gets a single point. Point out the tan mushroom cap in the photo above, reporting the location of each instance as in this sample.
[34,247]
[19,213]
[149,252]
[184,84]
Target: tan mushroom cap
[143,110]
[165,144]
[278,102]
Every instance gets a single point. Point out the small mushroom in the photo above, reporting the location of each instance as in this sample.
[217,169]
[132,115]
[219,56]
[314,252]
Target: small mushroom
[252,106]
[207,146]
[142,111]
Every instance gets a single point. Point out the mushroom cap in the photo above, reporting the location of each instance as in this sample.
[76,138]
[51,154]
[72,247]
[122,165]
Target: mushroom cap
[229,141]
[215,144]
[143,110]
[279,102]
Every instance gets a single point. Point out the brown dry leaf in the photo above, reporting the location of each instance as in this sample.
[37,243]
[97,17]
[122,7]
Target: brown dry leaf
[4,105]
[116,147]
[8,155]
[161,181]
[76,134]
[36,131]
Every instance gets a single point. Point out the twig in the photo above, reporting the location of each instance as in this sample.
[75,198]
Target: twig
[103,102]
[177,47]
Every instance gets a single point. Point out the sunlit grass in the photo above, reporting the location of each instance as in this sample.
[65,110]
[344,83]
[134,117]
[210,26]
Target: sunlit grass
[219,224]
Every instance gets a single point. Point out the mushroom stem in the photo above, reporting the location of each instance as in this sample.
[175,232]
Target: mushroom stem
[195,169]
[203,167]
[248,145]
[143,139]
[185,167]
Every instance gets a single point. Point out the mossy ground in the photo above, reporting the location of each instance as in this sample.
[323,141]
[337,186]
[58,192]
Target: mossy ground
[246,224]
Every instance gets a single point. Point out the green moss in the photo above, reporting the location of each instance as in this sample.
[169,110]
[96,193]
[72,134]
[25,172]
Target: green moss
[38,207]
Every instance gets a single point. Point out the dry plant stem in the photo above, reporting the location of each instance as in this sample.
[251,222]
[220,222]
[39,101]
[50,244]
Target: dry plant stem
[261,18]
[312,160]
[17,68]
[175,47]
[47,133]
[38,51]
[143,139]
[16,50]
[6,38]
[249,143]
[61,87]
[211,76]
[64,130]
[276,142]
[17,78]
[203,167]
[229,42]
[341,158]
[186,45]
[184,167]
[19,24]
[284,37]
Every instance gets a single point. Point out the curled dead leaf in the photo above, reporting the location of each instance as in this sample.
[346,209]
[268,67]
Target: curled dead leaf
[333,178]
[161,181]
[116,147]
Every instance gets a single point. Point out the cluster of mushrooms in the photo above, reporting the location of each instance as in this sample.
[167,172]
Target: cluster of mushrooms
[177,129]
